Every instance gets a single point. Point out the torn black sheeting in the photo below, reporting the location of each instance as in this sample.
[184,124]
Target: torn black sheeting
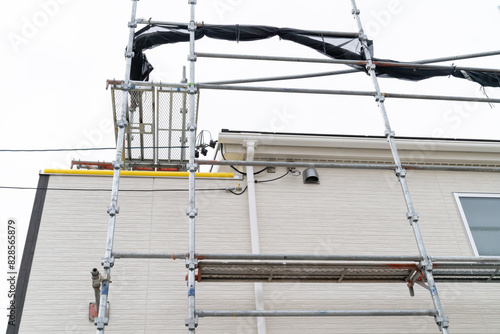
[334,45]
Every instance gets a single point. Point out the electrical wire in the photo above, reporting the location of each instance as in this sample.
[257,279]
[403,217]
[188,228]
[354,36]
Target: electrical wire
[240,193]
[280,177]
[234,168]
[85,149]
[121,190]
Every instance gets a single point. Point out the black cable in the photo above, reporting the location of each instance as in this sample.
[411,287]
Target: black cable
[282,176]
[240,193]
[234,168]
[121,190]
[85,149]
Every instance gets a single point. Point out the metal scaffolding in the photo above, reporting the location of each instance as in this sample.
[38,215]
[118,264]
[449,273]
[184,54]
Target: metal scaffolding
[424,270]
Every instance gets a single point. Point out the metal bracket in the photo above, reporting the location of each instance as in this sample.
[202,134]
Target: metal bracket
[101,322]
[425,265]
[191,26]
[117,164]
[415,277]
[192,213]
[389,134]
[192,58]
[192,2]
[379,98]
[192,127]
[122,123]
[412,217]
[129,54]
[370,67]
[191,88]
[442,321]
[400,172]
[192,167]
[191,264]
[192,323]
[113,210]
[355,11]
[107,263]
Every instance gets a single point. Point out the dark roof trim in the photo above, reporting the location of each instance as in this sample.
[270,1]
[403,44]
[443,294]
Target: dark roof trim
[29,251]
[359,136]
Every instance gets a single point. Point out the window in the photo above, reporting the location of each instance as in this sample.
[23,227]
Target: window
[481,216]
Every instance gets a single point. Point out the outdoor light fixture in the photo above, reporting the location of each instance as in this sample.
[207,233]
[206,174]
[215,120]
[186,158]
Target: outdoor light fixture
[310,175]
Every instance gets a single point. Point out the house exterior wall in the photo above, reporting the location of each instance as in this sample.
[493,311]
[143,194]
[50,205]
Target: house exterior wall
[351,211]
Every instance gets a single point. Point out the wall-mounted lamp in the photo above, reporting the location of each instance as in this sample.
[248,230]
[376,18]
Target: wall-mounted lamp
[310,175]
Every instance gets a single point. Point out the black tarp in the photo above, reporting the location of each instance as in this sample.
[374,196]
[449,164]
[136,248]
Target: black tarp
[334,45]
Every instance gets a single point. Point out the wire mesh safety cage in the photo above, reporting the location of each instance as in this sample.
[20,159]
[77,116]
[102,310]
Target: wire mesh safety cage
[157,119]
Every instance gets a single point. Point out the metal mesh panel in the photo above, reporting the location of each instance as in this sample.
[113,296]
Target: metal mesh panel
[139,135]
[157,127]
[173,118]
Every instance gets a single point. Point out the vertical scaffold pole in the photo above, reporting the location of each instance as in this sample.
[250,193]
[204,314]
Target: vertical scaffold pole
[426,263]
[192,212]
[107,262]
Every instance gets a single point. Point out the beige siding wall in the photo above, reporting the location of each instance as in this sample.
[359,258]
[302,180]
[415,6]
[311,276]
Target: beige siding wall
[350,212]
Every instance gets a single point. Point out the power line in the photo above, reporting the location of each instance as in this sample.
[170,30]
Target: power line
[87,149]
[121,190]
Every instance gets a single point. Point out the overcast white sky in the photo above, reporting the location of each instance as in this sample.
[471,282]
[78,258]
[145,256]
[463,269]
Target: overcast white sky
[57,55]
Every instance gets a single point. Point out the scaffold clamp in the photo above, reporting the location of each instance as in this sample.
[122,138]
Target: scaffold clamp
[413,216]
[379,98]
[191,88]
[129,54]
[442,321]
[113,210]
[191,264]
[107,263]
[400,172]
[426,265]
[122,123]
[117,164]
[389,134]
[101,322]
[192,167]
[192,213]
[192,323]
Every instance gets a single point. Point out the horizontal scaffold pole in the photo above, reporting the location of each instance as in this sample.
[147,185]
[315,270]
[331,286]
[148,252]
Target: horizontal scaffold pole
[184,24]
[317,313]
[346,62]
[182,87]
[299,257]
[346,92]
[345,165]
[281,257]
[284,77]
[331,73]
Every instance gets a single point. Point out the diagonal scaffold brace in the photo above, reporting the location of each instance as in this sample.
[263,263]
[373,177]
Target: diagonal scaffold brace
[412,216]
[107,262]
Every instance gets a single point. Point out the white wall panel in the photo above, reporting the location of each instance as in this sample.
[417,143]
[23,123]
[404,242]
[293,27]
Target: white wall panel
[349,212]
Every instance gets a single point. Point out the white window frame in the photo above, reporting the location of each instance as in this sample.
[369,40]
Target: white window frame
[464,219]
